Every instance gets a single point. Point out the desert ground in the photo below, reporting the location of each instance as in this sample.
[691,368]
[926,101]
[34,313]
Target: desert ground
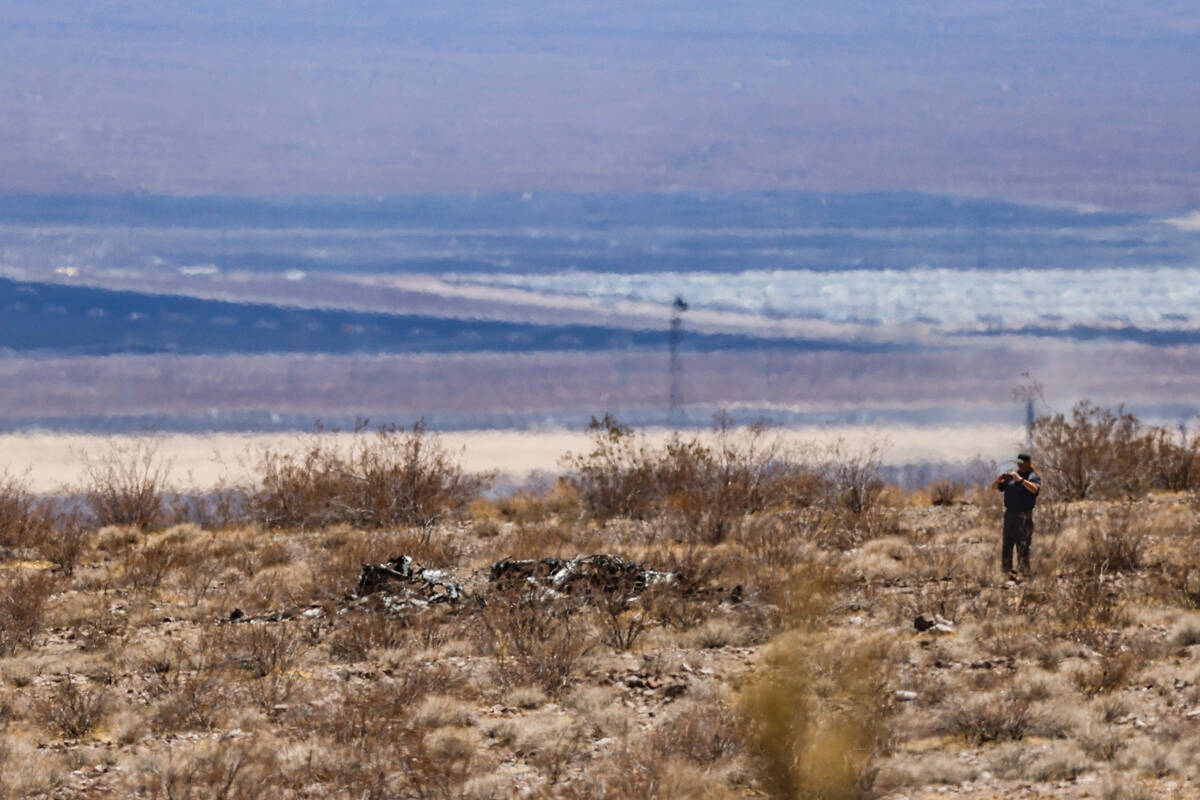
[712,618]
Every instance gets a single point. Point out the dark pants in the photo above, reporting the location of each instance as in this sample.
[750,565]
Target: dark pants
[1018,535]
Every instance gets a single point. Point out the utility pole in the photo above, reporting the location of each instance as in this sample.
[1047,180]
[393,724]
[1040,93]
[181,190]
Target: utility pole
[1028,390]
[1029,424]
[674,336]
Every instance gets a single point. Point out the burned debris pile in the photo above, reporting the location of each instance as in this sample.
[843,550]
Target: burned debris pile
[402,584]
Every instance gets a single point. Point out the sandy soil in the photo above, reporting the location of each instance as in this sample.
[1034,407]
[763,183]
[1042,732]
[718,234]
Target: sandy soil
[51,461]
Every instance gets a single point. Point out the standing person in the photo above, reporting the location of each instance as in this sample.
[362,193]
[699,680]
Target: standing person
[1020,495]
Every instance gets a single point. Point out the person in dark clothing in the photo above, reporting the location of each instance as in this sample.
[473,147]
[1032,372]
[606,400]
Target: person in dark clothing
[1020,496]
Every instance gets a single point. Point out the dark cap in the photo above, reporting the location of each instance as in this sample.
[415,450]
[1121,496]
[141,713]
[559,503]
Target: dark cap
[1023,457]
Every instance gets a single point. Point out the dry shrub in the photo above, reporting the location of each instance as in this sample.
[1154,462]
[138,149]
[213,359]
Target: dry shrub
[620,625]
[775,540]
[436,764]
[146,567]
[1051,517]
[704,488]
[219,508]
[1114,543]
[23,598]
[891,558]
[64,543]
[1111,672]
[539,540]
[24,519]
[526,506]
[634,770]
[363,713]
[990,718]
[703,733]
[127,484]
[1084,601]
[72,711]
[838,527]
[1057,761]
[556,751]
[690,599]
[852,481]
[1102,742]
[1101,453]
[535,644]
[188,702]
[376,730]
[1178,582]
[354,636]
[922,769]
[945,493]
[706,491]
[392,477]
[261,649]
[220,770]
[1187,633]
[333,570]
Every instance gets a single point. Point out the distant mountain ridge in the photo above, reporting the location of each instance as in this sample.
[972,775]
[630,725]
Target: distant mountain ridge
[709,210]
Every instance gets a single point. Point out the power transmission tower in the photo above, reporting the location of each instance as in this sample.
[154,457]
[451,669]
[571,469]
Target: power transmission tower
[674,336]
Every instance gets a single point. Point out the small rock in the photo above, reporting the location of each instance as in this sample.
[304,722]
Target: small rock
[923,622]
[905,696]
[674,690]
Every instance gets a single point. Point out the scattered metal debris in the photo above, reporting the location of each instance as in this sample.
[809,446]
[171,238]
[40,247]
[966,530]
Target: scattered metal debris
[401,585]
[599,574]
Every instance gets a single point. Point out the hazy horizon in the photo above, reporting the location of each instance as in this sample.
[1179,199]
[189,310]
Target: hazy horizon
[1073,102]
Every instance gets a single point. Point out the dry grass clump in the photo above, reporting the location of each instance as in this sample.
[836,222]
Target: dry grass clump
[392,477]
[925,769]
[816,720]
[815,713]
